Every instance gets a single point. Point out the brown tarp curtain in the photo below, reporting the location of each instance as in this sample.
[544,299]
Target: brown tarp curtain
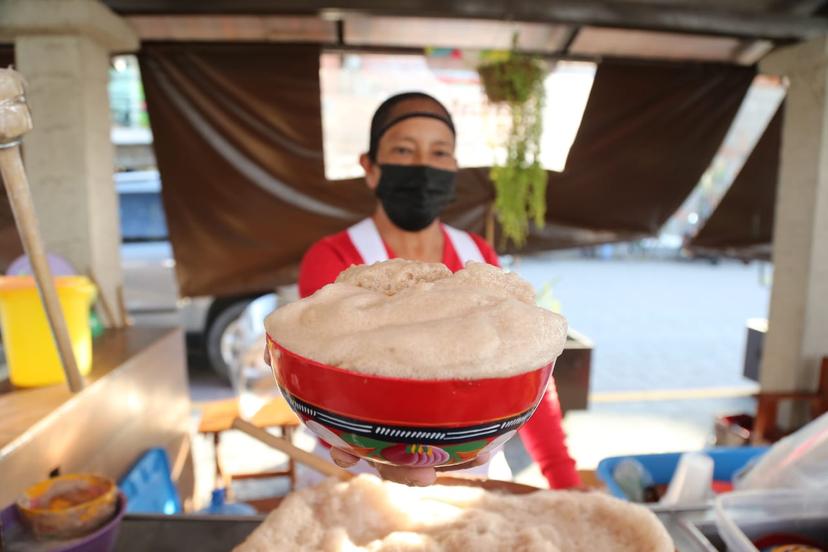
[742,223]
[648,133]
[238,141]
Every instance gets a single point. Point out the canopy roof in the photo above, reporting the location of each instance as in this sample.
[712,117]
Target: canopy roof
[736,31]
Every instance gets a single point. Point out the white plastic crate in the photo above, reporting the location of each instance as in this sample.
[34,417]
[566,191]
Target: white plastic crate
[744,516]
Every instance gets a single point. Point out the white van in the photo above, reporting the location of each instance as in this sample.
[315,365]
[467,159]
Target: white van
[150,286]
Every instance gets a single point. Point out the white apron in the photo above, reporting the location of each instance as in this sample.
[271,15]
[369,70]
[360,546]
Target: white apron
[368,243]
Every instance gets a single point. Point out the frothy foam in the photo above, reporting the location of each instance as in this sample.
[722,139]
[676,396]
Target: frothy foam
[419,321]
[366,514]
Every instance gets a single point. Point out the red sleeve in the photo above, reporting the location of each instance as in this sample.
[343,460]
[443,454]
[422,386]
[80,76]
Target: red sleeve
[544,438]
[320,267]
[489,254]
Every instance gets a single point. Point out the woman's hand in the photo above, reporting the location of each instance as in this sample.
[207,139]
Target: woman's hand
[415,477]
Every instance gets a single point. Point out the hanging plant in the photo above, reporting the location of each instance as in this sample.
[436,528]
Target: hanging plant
[516,80]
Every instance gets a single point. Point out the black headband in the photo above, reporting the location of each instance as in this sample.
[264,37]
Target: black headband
[375,137]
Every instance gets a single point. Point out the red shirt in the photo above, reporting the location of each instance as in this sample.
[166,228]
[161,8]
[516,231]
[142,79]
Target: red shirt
[542,435]
[332,254]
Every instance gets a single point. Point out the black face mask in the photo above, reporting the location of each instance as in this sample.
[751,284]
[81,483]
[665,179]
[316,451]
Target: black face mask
[414,195]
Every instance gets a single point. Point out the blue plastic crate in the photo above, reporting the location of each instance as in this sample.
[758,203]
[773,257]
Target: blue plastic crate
[726,462]
[148,485]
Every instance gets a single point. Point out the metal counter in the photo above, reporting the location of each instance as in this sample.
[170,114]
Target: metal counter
[692,530]
[158,533]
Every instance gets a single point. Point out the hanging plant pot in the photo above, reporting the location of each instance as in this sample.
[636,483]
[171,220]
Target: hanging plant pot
[511,81]
[517,80]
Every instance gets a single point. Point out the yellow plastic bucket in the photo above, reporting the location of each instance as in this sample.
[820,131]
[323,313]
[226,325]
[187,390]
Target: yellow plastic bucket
[30,349]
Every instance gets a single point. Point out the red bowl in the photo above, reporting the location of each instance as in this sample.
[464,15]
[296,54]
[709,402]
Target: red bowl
[406,422]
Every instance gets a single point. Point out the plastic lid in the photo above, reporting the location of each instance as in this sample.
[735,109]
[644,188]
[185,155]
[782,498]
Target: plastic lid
[217,498]
[59,266]
[13,283]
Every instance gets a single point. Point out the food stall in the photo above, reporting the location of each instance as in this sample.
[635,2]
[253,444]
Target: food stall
[129,395]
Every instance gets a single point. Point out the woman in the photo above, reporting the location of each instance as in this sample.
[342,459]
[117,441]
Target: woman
[410,166]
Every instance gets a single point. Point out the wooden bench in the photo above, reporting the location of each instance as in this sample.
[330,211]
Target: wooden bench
[767,407]
[217,417]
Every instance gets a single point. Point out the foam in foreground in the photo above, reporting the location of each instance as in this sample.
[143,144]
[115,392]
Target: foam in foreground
[419,321]
[372,515]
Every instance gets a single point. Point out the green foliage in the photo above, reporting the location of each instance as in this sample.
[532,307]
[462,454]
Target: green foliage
[547,299]
[516,81]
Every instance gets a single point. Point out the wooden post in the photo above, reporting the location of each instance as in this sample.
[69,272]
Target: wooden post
[15,121]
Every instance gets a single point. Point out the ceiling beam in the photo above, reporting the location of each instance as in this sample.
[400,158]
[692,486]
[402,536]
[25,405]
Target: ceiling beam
[797,7]
[776,26]
[754,50]
[572,34]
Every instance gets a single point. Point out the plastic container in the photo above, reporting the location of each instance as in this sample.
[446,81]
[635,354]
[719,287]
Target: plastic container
[692,481]
[68,506]
[733,430]
[796,462]
[219,507]
[16,536]
[746,517]
[726,462]
[148,486]
[634,479]
[30,348]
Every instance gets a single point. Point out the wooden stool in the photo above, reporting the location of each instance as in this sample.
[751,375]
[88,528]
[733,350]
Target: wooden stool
[217,417]
[764,427]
